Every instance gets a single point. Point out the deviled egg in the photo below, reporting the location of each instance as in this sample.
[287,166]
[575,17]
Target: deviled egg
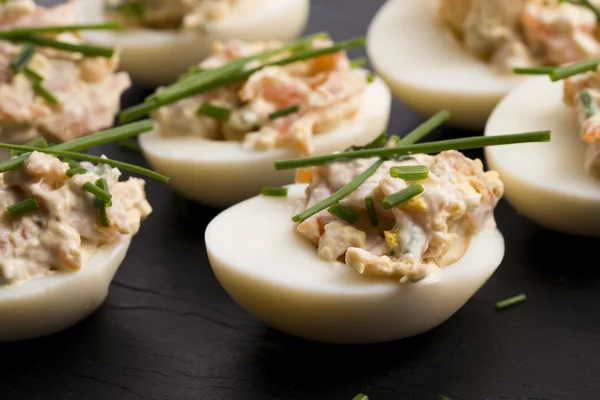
[556,185]
[370,250]
[51,83]
[459,54]
[220,128]
[162,38]
[64,230]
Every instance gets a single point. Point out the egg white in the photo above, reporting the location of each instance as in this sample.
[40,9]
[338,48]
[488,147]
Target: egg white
[427,69]
[221,173]
[50,304]
[158,57]
[277,276]
[546,182]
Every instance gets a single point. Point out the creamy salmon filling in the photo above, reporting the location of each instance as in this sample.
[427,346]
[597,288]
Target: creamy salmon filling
[413,239]
[523,33]
[87,89]
[326,91]
[57,237]
[170,14]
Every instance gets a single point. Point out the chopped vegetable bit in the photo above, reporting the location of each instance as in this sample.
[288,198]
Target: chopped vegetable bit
[512,301]
[275,191]
[23,207]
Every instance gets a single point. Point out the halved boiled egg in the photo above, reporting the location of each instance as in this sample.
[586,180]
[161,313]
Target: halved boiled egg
[158,56]
[50,304]
[545,182]
[278,277]
[221,173]
[426,68]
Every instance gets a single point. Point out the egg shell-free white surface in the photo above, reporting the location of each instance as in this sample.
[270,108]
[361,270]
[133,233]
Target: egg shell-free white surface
[278,277]
[158,57]
[221,173]
[546,182]
[427,69]
[53,303]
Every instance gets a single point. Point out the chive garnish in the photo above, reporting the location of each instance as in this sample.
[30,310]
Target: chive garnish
[574,69]
[45,93]
[39,143]
[96,191]
[84,142]
[588,103]
[75,171]
[22,59]
[533,71]
[429,147]
[504,304]
[375,143]
[85,157]
[31,74]
[358,62]
[417,134]
[275,191]
[343,213]
[85,49]
[370,77]
[103,185]
[30,30]
[402,196]
[360,396]
[135,9]
[72,163]
[130,145]
[284,111]
[228,74]
[215,112]
[370,204]
[410,172]
[23,207]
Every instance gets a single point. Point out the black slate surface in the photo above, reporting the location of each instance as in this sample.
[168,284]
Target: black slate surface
[168,331]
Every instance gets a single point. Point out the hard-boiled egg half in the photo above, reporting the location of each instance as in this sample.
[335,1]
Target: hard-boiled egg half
[459,54]
[296,278]
[50,304]
[205,168]
[548,183]
[158,56]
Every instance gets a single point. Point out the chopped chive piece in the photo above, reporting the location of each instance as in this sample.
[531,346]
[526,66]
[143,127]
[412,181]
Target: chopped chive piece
[417,134]
[84,142]
[360,396]
[45,93]
[31,74]
[574,69]
[533,71]
[375,143]
[402,196]
[284,111]
[275,191]
[85,49]
[588,103]
[72,163]
[429,147]
[445,398]
[219,113]
[23,31]
[130,145]
[96,191]
[370,204]
[343,213]
[370,77]
[135,9]
[410,172]
[103,185]
[23,207]
[54,150]
[22,59]
[504,304]
[358,62]
[39,143]
[76,171]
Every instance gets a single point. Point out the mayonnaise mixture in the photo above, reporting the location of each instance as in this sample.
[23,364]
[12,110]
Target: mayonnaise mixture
[66,228]
[413,239]
[523,33]
[87,88]
[326,89]
[170,14]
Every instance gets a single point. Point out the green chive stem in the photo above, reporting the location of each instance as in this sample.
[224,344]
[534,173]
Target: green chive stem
[21,60]
[534,71]
[284,112]
[512,301]
[358,62]
[429,147]
[103,185]
[44,92]
[567,71]
[102,195]
[370,205]
[85,49]
[23,207]
[275,191]
[31,74]
[39,143]
[30,30]
[360,396]
[344,214]
[402,196]
[221,114]
[76,171]
[375,143]
[410,172]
